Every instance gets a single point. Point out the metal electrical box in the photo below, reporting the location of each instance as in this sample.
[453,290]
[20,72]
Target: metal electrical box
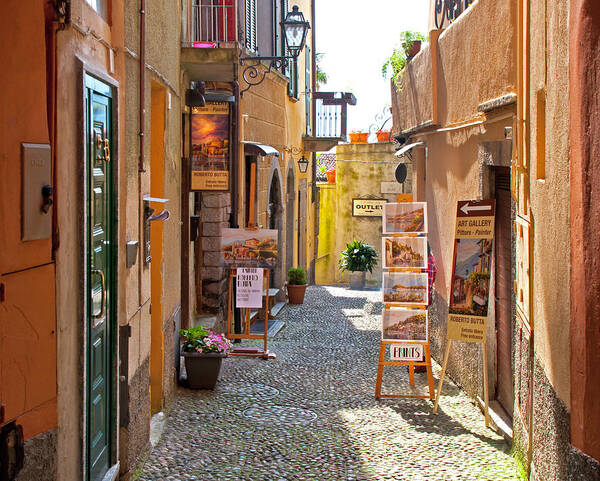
[37,192]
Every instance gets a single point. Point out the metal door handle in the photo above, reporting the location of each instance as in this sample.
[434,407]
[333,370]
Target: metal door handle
[102,312]
[106,151]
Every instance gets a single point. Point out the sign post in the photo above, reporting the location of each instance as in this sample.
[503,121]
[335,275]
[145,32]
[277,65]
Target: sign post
[469,288]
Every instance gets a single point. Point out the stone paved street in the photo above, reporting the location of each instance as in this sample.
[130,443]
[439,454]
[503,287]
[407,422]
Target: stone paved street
[310,414]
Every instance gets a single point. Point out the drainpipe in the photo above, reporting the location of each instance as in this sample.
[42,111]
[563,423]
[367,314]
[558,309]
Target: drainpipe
[235,161]
[142,78]
[313,120]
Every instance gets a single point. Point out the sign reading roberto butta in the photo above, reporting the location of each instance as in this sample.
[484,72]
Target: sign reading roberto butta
[367,207]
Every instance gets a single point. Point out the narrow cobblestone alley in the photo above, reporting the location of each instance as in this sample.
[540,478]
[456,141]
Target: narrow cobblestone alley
[310,414]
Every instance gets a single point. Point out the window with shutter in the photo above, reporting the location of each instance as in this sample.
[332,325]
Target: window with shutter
[307,90]
[251,40]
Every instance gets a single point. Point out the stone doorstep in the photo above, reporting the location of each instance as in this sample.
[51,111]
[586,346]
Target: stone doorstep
[500,421]
[157,426]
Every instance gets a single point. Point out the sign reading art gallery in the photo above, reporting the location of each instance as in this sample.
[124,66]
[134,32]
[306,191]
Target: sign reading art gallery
[367,207]
[210,147]
[470,286]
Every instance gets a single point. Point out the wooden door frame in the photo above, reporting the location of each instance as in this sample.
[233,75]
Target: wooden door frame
[85,71]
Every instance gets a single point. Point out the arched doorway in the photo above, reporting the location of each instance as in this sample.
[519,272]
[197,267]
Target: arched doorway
[289,220]
[275,213]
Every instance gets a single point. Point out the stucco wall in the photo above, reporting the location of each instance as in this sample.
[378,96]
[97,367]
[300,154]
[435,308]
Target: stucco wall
[360,171]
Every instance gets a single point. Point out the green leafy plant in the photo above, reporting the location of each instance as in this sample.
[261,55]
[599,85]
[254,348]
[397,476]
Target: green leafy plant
[296,276]
[397,60]
[408,37]
[358,256]
[321,75]
[202,340]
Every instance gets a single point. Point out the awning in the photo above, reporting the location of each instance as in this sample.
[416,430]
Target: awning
[406,148]
[259,149]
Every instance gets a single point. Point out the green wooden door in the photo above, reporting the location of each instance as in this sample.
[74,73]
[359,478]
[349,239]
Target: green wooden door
[99,238]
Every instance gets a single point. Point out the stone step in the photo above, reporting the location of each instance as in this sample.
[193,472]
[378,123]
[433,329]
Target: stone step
[276,309]
[273,291]
[206,320]
[273,327]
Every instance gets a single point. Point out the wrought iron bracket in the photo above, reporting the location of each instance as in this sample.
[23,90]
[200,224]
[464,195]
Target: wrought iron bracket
[251,74]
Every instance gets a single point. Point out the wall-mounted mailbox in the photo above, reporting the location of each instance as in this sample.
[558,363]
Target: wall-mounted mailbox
[37,192]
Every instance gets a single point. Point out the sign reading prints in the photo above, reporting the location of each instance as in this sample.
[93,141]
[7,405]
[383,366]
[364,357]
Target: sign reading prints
[470,286]
[406,352]
[249,286]
[367,207]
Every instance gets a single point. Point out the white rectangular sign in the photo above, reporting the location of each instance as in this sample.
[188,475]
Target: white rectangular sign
[406,352]
[249,286]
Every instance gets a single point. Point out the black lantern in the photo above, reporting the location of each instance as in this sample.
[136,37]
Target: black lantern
[302,164]
[295,28]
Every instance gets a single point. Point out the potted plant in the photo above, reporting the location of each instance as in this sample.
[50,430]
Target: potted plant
[357,136]
[358,258]
[383,135]
[411,43]
[330,176]
[203,351]
[296,285]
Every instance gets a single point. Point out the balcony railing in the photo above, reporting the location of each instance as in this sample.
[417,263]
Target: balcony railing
[331,109]
[209,23]
[446,11]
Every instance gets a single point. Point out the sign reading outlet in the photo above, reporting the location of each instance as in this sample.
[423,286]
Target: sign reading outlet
[367,207]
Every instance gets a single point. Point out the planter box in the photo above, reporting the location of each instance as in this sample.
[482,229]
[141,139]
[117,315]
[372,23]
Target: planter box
[202,369]
[359,137]
[384,136]
[330,177]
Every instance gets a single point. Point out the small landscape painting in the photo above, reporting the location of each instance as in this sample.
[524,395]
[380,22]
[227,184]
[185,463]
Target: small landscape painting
[403,217]
[405,287]
[405,252]
[404,325]
[471,277]
[249,247]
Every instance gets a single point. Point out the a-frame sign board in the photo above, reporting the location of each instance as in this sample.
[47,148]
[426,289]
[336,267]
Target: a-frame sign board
[469,288]
[246,334]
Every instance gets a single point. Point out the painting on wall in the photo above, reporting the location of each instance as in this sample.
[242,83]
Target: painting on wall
[249,247]
[405,287]
[405,252]
[404,325]
[210,147]
[405,217]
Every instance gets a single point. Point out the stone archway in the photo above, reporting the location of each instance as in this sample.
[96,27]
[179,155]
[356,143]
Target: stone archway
[275,221]
[290,189]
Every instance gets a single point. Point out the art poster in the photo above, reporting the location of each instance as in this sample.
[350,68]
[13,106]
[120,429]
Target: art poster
[405,217]
[249,247]
[405,287]
[470,285]
[404,252]
[404,325]
[210,147]
[249,287]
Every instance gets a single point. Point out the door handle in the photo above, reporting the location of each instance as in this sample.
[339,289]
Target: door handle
[102,312]
[106,151]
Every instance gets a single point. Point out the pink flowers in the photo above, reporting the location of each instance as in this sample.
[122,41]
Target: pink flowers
[202,340]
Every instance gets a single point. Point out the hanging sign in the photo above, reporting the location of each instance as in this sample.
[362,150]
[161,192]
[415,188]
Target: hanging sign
[367,207]
[210,147]
[406,352]
[249,286]
[470,286]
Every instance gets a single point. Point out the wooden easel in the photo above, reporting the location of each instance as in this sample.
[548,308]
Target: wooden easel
[411,367]
[485,381]
[242,351]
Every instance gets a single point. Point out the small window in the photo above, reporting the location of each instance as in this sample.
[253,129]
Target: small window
[101,6]
[251,37]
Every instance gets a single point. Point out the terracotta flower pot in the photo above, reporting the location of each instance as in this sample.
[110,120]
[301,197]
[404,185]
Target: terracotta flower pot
[383,136]
[330,176]
[202,369]
[415,48]
[296,293]
[359,137]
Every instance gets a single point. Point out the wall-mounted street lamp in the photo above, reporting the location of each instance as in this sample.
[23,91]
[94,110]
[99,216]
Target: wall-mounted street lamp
[302,164]
[295,28]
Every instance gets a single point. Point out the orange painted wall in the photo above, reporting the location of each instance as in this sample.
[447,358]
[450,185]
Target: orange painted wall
[27,327]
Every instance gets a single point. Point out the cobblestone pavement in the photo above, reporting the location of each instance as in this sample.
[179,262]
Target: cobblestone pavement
[310,414]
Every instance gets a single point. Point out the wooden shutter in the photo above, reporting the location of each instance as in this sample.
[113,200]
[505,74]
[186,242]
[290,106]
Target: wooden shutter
[307,90]
[251,42]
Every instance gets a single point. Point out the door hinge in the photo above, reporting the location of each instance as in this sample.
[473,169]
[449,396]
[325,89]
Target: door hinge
[2,296]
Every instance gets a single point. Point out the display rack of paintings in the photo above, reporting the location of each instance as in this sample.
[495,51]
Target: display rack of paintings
[249,254]
[404,323]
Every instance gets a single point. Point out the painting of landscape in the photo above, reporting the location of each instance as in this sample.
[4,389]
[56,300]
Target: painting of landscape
[404,325]
[471,277]
[402,217]
[405,252]
[404,287]
[249,247]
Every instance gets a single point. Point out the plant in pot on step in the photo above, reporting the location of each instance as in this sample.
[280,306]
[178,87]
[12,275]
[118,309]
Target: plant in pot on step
[203,351]
[296,285]
[358,258]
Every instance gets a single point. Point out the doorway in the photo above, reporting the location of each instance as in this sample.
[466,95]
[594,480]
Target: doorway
[100,275]
[302,223]
[157,190]
[503,276]
[289,220]
[275,211]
